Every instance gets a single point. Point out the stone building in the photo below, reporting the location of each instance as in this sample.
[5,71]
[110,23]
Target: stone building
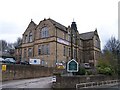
[52,43]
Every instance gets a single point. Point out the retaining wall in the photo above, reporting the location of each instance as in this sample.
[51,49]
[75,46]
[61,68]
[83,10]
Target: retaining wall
[25,71]
[71,81]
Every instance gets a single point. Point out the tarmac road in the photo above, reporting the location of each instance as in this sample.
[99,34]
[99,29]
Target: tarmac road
[27,84]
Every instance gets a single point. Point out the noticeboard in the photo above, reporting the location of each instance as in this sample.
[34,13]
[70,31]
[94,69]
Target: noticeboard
[72,66]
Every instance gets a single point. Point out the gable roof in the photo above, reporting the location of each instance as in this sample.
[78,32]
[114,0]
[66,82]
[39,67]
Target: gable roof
[87,35]
[58,25]
[31,26]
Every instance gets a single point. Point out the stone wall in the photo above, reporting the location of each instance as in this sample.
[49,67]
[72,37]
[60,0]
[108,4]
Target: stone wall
[71,81]
[25,71]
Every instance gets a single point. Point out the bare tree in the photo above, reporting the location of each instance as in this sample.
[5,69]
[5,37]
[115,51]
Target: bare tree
[18,42]
[111,53]
[3,45]
[113,46]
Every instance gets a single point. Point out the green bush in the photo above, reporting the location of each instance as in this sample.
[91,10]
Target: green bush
[88,72]
[81,71]
[105,70]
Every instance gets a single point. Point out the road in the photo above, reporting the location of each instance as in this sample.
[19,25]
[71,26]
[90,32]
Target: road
[44,82]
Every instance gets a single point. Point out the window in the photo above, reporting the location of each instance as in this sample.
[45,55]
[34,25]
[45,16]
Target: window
[29,52]
[69,52]
[25,53]
[39,50]
[75,53]
[42,62]
[26,39]
[44,49]
[44,32]
[63,50]
[30,37]
[47,49]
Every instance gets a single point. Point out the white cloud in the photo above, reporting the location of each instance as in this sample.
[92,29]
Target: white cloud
[88,14]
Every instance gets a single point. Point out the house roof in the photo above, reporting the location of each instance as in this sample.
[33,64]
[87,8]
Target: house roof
[31,26]
[87,35]
[58,25]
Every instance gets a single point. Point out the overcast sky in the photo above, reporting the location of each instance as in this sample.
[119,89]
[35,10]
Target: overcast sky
[15,16]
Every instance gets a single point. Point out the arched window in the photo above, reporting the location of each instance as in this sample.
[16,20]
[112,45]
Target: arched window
[44,32]
[30,37]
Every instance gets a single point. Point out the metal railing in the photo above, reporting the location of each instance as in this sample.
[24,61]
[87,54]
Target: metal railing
[96,84]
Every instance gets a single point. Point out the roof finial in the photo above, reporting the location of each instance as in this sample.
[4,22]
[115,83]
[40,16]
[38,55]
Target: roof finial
[31,19]
[73,19]
[95,29]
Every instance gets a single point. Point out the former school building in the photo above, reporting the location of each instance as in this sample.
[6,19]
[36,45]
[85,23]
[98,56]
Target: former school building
[52,43]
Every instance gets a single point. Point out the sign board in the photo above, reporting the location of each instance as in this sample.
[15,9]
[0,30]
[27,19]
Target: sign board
[62,41]
[72,66]
[3,67]
[34,61]
[60,66]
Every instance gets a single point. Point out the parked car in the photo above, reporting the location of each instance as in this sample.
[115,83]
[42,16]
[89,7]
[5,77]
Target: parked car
[9,60]
[87,65]
[1,60]
[24,62]
[54,79]
[18,62]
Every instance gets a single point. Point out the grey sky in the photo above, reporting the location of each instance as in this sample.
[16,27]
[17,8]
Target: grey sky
[88,14]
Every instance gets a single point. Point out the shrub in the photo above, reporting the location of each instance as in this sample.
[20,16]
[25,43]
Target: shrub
[81,71]
[89,72]
[105,70]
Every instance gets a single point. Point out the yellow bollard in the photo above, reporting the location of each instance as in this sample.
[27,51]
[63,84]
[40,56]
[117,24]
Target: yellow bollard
[3,67]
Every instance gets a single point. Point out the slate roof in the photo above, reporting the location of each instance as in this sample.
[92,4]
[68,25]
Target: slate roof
[58,25]
[87,35]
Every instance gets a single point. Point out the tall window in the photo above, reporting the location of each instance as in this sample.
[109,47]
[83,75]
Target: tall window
[44,32]
[29,52]
[26,39]
[39,50]
[30,37]
[75,53]
[44,49]
[69,51]
[25,54]
[64,51]
[47,49]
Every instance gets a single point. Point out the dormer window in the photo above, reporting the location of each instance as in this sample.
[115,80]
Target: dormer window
[44,32]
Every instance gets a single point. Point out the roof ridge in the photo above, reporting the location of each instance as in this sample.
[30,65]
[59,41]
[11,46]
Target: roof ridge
[58,25]
[87,32]
[56,22]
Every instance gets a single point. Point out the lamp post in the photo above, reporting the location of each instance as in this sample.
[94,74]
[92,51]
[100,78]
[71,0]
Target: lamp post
[71,44]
